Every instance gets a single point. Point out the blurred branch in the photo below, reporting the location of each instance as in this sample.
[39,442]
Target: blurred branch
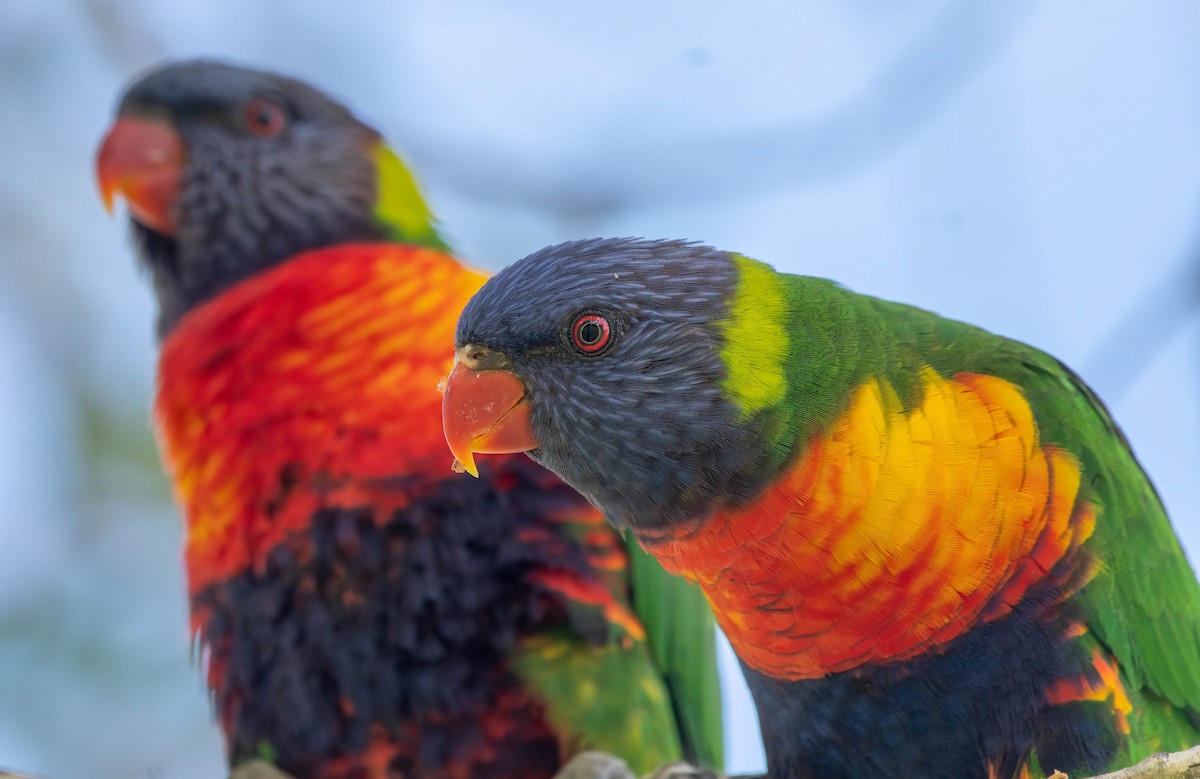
[923,80]
[125,40]
[1142,332]
[117,442]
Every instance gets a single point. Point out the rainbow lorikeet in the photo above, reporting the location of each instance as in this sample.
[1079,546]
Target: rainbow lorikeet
[362,612]
[931,547]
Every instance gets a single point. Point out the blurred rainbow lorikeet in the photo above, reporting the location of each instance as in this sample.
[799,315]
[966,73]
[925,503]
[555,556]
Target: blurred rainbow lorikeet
[362,612]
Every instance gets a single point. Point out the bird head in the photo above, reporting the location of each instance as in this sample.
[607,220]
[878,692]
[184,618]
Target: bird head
[228,171]
[603,360]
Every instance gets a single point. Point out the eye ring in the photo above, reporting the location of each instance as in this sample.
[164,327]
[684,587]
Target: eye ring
[591,333]
[265,118]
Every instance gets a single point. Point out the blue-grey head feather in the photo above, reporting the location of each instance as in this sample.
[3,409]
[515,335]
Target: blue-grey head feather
[642,428]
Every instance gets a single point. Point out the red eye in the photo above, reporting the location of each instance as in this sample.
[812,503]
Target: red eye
[265,118]
[591,333]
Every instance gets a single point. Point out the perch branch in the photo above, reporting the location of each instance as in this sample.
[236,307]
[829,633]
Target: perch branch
[600,765]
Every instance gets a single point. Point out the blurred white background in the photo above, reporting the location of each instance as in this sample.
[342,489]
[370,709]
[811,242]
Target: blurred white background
[1032,168]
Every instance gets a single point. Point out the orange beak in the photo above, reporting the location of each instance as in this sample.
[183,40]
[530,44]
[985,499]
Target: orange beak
[484,411]
[142,161]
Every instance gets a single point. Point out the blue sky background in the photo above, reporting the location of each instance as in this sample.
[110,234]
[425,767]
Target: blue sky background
[1032,168]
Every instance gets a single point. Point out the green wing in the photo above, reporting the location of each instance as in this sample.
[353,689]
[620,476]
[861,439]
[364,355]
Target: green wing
[651,700]
[682,636]
[606,696]
[1144,602]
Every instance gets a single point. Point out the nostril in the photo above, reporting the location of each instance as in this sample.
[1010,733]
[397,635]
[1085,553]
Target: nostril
[482,358]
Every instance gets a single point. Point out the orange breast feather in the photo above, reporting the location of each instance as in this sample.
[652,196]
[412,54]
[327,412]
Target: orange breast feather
[300,388]
[892,533]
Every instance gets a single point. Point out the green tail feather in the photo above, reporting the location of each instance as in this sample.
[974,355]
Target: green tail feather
[682,635]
